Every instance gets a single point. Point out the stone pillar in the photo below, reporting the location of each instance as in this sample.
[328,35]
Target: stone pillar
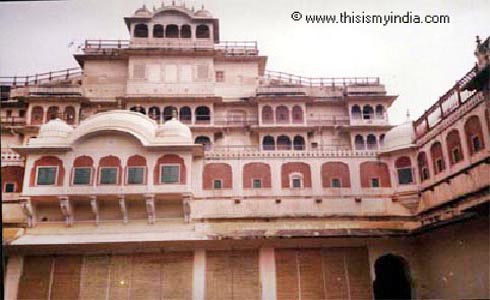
[199,275]
[12,277]
[267,271]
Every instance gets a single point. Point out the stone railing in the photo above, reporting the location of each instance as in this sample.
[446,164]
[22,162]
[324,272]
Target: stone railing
[9,157]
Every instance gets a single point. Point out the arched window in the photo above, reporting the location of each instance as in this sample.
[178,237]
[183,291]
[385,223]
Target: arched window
[335,174]
[53,113]
[185,115]
[437,158]
[403,167]
[454,149]
[203,140]
[172,31]
[374,174]
[185,31]
[298,171]
[267,115]
[382,139]
[380,111]
[282,115]
[423,166]
[356,112]
[70,115]
[268,143]
[256,175]
[37,114]
[141,30]
[367,112]
[47,170]
[154,113]
[136,170]
[359,142]
[158,31]
[217,176]
[283,143]
[297,115]
[298,143]
[138,109]
[202,31]
[203,115]
[169,169]
[474,135]
[371,142]
[168,112]
[109,172]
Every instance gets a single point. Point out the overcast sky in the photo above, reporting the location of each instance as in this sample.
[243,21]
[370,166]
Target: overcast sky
[418,62]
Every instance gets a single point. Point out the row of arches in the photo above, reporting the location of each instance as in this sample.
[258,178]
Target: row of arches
[184,113]
[282,115]
[283,142]
[368,112]
[370,143]
[171,31]
[295,175]
[473,133]
[109,170]
[53,112]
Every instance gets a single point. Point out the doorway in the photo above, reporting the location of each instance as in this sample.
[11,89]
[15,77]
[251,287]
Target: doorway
[392,278]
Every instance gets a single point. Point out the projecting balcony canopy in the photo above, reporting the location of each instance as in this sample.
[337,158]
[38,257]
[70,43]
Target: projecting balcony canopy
[56,135]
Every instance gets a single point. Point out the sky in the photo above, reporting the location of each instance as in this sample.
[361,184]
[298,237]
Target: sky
[417,62]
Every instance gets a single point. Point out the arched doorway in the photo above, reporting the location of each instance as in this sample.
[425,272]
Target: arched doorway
[392,278]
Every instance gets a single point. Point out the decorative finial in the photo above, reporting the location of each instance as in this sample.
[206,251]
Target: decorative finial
[202,7]
[144,6]
[478,41]
[192,8]
[163,4]
[174,114]
[154,9]
[173,2]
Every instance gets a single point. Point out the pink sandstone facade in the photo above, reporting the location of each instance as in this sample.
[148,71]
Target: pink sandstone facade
[174,166]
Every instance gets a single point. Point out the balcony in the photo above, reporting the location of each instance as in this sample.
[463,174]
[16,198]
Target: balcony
[327,120]
[43,90]
[10,158]
[288,80]
[228,48]
[12,121]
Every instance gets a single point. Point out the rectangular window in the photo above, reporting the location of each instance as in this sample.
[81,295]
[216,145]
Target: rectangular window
[336,183]
[81,176]
[154,73]
[202,72]
[296,182]
[46,175]
[108,176]
[257,184]
[425,173]
[9,188]
[220,76]
[171,73]
[374,182]
[475,141]
[136,175]
[186,73]
[139,71]
[405,176]
[169,174]
[217,184]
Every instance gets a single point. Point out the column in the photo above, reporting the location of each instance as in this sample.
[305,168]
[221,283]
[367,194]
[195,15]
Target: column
[267,271]
[12,278]
[199,275]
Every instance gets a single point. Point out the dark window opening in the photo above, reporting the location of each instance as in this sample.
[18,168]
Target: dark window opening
[185,32]
[9,188]
[405,176]
[172,31]
[203,115]
[141,30]
[158,31]
[168,112]
[203,140]
[46,175]
[268,143]
[185,115]
[367,112]
[476,144]
[374,182]
[81,176]
[136,175]
[336,183]
[283,143]
[257,183]
[217,184]
[392,278]
[202,32]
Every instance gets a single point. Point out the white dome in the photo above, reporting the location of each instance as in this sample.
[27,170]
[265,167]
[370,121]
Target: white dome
[399,137]
[176,131]
[56,128]
[142,12]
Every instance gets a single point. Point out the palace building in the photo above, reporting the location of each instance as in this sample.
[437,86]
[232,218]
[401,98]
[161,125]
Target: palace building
[174,165]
